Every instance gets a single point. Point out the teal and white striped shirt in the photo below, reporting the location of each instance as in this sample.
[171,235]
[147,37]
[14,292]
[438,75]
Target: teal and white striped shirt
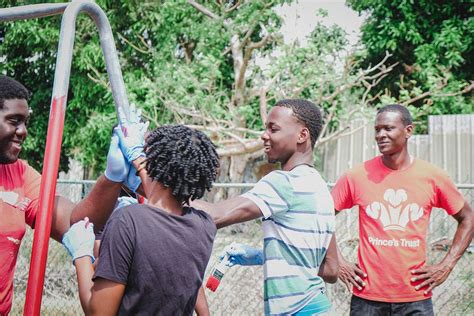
[298,225]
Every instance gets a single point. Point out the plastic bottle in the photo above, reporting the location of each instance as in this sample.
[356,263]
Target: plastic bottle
[217,274]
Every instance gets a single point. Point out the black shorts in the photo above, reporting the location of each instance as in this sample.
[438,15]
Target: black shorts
[363,307]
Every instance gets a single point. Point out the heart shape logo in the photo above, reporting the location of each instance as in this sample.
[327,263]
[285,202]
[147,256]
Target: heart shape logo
[395,197]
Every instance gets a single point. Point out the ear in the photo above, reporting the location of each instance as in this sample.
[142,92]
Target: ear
[304,135]
[409,130]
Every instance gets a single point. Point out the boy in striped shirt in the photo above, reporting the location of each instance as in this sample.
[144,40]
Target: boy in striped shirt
[298,225]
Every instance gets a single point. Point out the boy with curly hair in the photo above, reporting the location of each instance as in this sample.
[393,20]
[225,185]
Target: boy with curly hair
[153,256]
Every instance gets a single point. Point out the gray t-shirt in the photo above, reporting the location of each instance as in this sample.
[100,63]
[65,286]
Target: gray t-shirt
[161,258]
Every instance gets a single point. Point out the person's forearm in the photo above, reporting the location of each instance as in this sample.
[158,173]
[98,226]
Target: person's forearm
[329,269]
[98,204]
[84,271]
[229,212]
[340,257]
[201,308]
[462,239]
[218,209]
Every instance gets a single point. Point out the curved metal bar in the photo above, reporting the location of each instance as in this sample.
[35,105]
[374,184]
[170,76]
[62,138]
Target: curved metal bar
[105,33]
[31,11]
[55,132]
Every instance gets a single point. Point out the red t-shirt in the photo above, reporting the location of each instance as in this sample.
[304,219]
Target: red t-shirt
[394,212]
[19,192]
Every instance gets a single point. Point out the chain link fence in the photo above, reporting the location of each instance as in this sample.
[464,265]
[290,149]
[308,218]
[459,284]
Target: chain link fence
[241,290]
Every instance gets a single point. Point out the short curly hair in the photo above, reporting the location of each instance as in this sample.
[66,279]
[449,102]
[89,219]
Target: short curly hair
[307,113]
[11,89]
[182,159]
[398,108]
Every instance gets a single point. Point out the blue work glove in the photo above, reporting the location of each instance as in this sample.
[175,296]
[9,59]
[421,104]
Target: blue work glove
[242,255]
[124,201]
[79,240]
[117,167]
[132,134]
[133,181]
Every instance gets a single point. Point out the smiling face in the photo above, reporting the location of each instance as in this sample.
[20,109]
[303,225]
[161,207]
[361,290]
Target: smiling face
[281,135]
[13,118]
[391,134]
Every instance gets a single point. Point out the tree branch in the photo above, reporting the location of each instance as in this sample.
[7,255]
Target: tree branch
[203,10]
[263,104]
[249,147]
[443,83]
[232,8]
[134,46]
[248,54]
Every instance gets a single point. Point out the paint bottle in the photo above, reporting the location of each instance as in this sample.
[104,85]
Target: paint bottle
[217,274]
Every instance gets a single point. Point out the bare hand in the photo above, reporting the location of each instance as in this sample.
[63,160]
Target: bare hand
[351,274]
[432,275]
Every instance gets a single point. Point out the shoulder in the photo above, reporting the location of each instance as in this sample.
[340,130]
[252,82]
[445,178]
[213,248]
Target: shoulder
[361,168]
[128,213]
[371,164]
[200,214]
[276,178]
[427,166]
[276,174]
[204,219]
[124,220]
[430,171]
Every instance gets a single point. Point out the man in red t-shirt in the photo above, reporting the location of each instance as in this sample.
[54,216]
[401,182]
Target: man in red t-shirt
[20,186]
[395,194]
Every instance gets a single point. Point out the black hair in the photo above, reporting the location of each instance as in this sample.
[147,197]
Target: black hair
[307,113]
[182,159]
[402,110]
[11,89]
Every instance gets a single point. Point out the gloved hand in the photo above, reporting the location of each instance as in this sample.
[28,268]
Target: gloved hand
[124,201]
[79,240]
[133,181]
[117,167]
[132,134]
[243,255]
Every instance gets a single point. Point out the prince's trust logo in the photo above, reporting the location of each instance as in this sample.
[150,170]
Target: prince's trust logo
[14,200]
[394,215]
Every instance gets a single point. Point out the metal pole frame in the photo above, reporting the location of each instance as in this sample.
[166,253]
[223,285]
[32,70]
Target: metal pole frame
[56,120]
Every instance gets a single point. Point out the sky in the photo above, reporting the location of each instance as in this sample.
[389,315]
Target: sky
[300,18]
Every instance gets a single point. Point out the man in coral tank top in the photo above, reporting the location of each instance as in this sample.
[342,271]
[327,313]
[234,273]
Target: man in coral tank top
[395,193]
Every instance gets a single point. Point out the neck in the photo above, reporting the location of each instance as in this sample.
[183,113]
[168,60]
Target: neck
[298,158]
[397,161]
[162,198]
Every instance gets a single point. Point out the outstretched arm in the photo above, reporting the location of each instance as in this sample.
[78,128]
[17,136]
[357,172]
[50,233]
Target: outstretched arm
[100,202]
[436,274]
[97,205]
[229,212]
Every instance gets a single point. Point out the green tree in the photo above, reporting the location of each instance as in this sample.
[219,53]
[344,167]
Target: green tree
[213,65]
[433,43]
[28,49]
[201,68]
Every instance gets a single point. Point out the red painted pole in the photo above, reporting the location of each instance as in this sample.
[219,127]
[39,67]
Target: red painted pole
[56,121]
[43,221]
